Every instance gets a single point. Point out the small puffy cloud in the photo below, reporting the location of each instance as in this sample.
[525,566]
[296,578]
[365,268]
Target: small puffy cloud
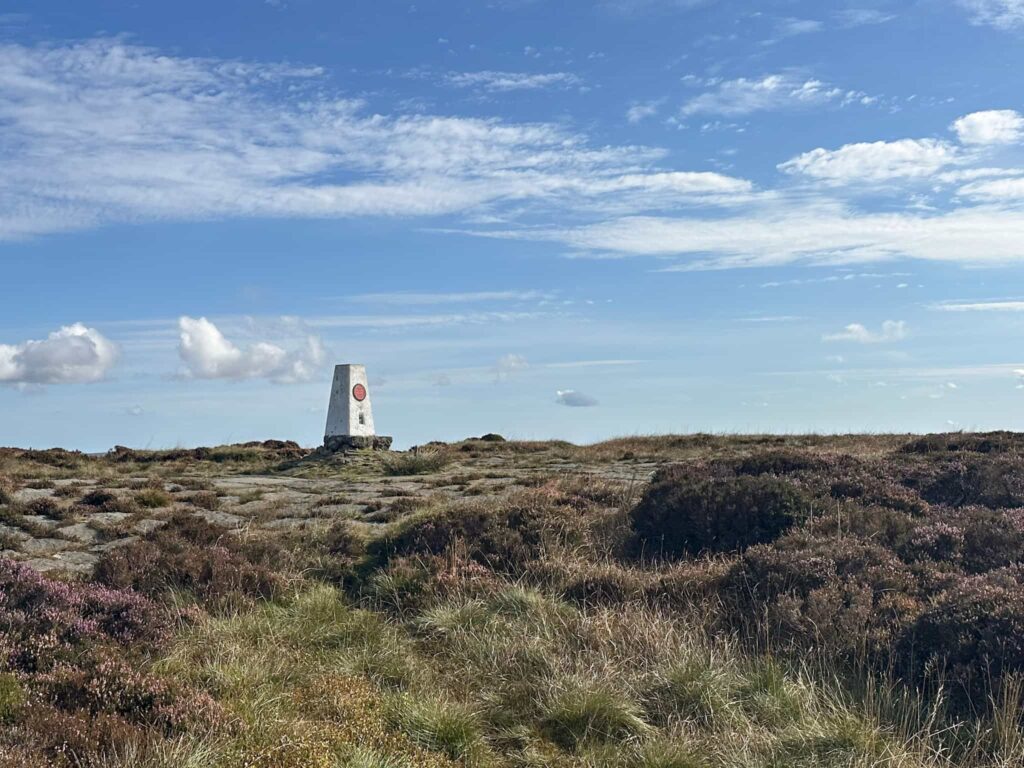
[1019,373]
[574,399]
[75,354]
[874,161]
[892,330]
[207,354]
[510,364]
[1003,14]
[993,126]
[637,113]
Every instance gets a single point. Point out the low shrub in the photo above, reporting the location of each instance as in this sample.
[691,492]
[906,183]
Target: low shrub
[684,514]
[418,463]
[153,498]
[98,498]
[205,500]
[12,698]
[48,507]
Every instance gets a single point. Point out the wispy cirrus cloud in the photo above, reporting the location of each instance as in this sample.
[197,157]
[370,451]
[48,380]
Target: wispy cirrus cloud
[1003,14]
[744,96]
[411,298]
[105,131]
[979,306]
[490,80]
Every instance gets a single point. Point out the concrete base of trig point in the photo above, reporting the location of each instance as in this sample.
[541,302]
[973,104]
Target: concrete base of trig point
[349,415]
[357,442]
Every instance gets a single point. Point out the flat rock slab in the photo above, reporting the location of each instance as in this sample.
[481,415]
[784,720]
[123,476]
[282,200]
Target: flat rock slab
[114,544]
[217,517]
[25,495]
[148,525]
[41,520]
[12,532]
[68,562]
[38,547]
[80,532]
[108,518]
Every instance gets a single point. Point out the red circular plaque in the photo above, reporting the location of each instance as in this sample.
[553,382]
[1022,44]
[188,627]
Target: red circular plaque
[359,392]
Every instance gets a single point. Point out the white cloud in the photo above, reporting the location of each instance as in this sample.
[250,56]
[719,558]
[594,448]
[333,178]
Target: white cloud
[979,306]
[779,91]
[469,297]
[793,27]
[995,190]
[858,17]
[119,132]
[574,399]
[993,126]
[892,330]
[207,354]
[822,232]
[637,113]
[74,354]
[510,364]
[1004,14]
[875,161]
[1019,373]
[512,81]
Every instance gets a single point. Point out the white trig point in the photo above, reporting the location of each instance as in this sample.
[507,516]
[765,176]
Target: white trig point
[349,415]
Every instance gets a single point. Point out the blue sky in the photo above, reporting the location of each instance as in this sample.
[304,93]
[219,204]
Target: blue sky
[546,219]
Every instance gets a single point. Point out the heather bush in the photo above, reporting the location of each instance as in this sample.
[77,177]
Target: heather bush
[779,462]
[205,500]
[98,498]
[48,507]
[959,482]
[849,595]
[970,639]
[505,536]
[683,514]
[193,555]
[951,442]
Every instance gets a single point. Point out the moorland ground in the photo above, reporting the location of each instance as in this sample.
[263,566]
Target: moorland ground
[661,602]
